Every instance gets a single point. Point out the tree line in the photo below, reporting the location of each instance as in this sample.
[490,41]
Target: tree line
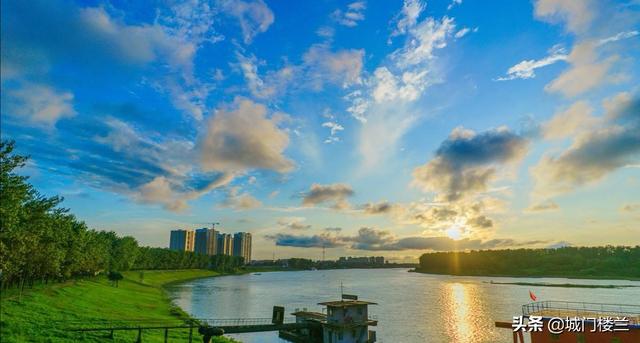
[596,262]
[40,241]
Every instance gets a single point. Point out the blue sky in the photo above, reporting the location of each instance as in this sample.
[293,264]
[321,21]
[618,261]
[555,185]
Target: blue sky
[388,128]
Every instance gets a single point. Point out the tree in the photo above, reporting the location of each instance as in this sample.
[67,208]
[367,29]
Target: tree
[41,241]
[114,277]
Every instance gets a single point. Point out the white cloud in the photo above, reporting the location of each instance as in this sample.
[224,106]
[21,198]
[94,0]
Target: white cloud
[426,37]
[467,162]
[385,105]
[193,21]
[583,54]
[249,68]
[408,87]
[239,201]
[353,14]
[526,69]
[462,32]
[326,32]
[294,223]
[578,14]
[454,3]
[342,67]
[254,16]
[544,206]
[161,190]
[358,105]
[335,128]
[175,44]
[594,153]
[633,207]
[408,17]
[320,65]
[189,99]
[586,72]
[386,124]
[40,104]
[96,38]
[243,137]
[167,163]
[619,36]
[138,44]
[335,194]
[566,123]
[173,156]
[271,84]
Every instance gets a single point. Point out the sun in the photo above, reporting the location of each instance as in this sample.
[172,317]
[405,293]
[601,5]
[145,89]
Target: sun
[454,232]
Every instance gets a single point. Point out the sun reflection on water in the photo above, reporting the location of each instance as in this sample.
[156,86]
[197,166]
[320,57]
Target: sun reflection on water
[463,312]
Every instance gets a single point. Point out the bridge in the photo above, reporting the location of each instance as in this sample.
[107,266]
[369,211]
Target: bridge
[205,327]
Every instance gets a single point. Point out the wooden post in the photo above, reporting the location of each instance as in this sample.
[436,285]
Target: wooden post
[139,340]
[166,335]
[190,333]
[111,334]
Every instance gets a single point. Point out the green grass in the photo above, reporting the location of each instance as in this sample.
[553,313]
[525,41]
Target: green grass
[44,313]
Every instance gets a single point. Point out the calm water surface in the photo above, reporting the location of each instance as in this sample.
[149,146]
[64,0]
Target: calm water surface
[411,307]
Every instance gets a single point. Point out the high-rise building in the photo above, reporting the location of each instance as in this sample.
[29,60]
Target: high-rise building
[206,242]
[225,244]
[242,245]
[182,240]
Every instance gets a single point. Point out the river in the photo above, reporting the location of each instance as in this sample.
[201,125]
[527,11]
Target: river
[412,307]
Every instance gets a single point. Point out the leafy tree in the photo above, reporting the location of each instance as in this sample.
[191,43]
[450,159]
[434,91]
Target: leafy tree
[115,277]
[42,242]
[607,261]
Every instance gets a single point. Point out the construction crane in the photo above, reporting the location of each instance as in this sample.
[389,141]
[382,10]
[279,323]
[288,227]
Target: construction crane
[213,224]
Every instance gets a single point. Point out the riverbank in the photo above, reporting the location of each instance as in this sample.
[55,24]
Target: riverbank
[564,276]
[561,285]
[43,313]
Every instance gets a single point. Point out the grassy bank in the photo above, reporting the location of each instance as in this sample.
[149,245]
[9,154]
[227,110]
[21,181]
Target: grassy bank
[44,312]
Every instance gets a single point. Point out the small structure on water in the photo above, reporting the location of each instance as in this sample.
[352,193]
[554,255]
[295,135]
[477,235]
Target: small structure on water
[345,321]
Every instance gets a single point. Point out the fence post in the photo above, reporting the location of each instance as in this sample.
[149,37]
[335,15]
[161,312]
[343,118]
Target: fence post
[139,340]
[190,333]
[166,335]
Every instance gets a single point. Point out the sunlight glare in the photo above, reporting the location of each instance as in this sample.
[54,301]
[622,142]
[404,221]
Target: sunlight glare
[454,232]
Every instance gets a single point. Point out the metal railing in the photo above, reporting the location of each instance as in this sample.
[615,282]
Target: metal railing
[241,321]
[368,319]
[101,323]
[582,309]
[98,324]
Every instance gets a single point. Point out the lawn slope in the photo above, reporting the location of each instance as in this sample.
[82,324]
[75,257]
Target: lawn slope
[44,312]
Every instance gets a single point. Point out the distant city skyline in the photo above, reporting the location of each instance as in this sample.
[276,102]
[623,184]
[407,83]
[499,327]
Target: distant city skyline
[209,241]
[386,127]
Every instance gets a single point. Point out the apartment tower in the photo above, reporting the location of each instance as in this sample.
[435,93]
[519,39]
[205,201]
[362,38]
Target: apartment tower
[182,240]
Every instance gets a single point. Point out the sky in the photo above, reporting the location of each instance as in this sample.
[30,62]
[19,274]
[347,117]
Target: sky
[362,127]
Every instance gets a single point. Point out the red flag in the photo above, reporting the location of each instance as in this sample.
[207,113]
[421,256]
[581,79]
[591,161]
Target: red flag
[532,296]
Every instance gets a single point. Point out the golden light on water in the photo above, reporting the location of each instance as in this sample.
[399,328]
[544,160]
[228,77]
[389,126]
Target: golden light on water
[463,312]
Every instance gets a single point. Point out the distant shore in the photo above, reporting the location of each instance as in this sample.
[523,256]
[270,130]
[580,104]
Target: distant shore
[585,277]
[561,285]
